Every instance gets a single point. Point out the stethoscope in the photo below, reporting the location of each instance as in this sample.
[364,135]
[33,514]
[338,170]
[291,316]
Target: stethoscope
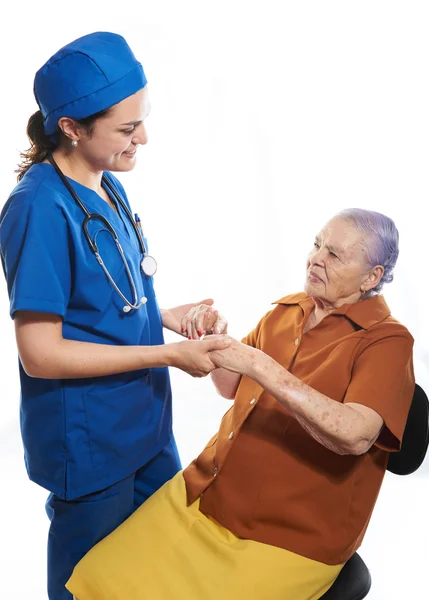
[148,263]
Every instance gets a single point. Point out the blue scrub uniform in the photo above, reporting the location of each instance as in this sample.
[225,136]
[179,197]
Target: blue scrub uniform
[82,436]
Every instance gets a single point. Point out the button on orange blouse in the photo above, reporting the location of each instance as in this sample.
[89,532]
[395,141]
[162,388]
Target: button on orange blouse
[271,481]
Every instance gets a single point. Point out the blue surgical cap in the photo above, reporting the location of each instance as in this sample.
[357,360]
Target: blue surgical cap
[87,76]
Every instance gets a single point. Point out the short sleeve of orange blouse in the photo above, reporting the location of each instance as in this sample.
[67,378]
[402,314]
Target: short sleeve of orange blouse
[383,380]
[251,338]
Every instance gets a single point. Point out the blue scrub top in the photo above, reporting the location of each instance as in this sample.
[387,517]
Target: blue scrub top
[81,435]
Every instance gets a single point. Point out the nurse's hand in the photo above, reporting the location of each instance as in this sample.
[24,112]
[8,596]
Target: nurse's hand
[203,319]
[176,318]
[193,356]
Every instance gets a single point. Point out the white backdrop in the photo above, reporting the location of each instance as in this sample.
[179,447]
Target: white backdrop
[267,118]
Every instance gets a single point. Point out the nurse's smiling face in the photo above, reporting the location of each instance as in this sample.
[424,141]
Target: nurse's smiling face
[113,141]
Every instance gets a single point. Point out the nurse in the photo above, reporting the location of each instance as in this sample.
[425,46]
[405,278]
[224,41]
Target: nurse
[95,392]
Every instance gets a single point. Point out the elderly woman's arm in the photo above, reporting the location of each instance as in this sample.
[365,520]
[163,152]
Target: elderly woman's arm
[343,428]
[225,382]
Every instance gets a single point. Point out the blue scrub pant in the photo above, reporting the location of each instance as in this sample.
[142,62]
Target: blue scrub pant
[77,525]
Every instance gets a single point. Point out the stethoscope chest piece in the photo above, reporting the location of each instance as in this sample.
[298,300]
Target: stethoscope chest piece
[148,265]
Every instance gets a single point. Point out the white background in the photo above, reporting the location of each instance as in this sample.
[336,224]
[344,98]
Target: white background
[267,118]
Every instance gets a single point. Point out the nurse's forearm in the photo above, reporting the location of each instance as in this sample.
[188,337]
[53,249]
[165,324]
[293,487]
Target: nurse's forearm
[45,354]
[70,359]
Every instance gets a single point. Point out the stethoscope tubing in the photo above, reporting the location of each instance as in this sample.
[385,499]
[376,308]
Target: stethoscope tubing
[93,244]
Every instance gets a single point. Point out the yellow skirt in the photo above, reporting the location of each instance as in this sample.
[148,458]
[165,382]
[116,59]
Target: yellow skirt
[168,551]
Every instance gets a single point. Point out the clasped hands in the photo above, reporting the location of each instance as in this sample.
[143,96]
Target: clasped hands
[204,322]
[208,346]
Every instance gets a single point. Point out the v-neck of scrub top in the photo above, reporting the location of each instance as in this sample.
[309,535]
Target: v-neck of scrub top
[119,219]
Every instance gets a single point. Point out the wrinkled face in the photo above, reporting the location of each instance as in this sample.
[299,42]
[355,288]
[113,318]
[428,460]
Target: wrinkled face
[115,138]
[337,267]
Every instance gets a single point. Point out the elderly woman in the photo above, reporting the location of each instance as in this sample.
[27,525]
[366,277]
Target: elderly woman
[281,497]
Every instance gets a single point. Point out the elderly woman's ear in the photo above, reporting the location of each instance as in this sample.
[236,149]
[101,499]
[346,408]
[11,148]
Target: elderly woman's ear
[373,279]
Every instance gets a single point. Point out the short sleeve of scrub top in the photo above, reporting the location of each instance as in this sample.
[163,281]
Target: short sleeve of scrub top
[36,258]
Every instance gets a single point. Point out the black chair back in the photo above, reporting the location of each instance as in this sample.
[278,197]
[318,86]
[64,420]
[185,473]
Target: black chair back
[415,439]
[354,580]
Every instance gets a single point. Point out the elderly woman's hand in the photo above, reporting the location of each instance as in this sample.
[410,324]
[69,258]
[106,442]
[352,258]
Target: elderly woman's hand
[238,358]
[203,319]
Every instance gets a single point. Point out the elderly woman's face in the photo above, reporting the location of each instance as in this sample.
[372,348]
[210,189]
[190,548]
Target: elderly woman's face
[337,267]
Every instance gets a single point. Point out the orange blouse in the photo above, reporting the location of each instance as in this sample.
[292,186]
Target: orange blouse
[263,477]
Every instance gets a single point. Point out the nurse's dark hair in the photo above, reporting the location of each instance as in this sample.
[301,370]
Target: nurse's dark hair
[41,144]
